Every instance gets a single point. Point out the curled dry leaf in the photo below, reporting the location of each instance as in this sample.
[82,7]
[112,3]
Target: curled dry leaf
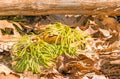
[112,39]
[90,30]
[115,61]
[106,33]
[29,75]
[10,76]
[4,69]
[51,74]
[6,38]
[77,67]
[7,43]
[5,24]
[94,76]
[6,73]
[109,22]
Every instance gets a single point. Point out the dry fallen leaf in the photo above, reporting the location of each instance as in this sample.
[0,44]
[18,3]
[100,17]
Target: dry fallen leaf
[10,76]
[94,76]
[115,61]
[5,24]
[6,40]
[4,69]
[29,75]
[77,67]
[90,30]
[6,73]
[51,74]
[106,33]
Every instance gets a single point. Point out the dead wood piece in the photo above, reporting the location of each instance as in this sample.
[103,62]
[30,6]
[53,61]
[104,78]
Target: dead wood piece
[39,7]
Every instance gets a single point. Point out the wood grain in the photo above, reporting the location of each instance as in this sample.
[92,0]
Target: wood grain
[42,7]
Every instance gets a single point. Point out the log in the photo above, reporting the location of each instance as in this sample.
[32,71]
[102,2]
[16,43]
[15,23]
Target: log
[42,7]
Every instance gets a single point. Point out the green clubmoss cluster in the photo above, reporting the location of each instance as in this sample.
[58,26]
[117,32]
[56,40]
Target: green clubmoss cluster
[32,53]
[36,52]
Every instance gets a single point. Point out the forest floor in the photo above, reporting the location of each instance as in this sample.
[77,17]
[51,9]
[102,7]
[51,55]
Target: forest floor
[101,59]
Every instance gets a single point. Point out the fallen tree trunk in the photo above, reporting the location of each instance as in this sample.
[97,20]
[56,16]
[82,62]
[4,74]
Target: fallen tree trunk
[39,7]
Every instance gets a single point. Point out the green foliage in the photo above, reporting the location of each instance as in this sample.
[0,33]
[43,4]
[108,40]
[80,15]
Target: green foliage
[67,40]
[32,53]
[13,18]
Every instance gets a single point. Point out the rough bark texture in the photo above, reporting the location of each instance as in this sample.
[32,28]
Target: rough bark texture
[39,7]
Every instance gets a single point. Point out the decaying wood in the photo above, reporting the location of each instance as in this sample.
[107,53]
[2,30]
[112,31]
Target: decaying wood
[39,7]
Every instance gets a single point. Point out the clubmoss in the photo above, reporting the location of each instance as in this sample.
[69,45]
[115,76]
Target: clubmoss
[66,39]
[36,52]
[32,53]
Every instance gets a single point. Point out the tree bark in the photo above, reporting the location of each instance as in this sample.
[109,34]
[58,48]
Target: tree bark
[42,7]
